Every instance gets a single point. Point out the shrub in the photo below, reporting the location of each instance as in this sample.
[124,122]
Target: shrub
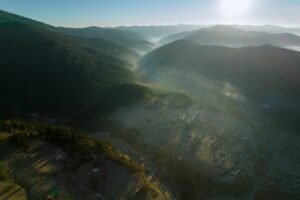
[4,171]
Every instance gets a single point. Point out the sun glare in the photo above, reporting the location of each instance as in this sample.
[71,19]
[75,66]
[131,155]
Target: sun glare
[235,7]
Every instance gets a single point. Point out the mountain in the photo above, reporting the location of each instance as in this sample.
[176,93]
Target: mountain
[44,71]
[10,17]
[265,75]
[204,123]
[233,37]
[177,36]
[161,31]
[93,45]
[132,40]
[259,67]
[165,30]
[127,39]
[270,29]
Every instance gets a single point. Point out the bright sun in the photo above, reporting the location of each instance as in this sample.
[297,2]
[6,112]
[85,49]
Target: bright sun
[235,7]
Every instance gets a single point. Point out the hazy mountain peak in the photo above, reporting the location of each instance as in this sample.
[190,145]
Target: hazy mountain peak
[232,36]
[223,28]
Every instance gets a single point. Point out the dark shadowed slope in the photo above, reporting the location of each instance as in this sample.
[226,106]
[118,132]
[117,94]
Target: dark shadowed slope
[44,71]
[132,40]
[230,36]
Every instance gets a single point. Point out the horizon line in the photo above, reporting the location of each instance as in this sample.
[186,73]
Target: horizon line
[158,25]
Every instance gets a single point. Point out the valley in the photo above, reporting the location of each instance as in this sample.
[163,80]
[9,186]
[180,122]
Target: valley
[148,112]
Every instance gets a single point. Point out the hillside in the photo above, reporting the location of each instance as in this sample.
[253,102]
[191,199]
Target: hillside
[124,39]
[58,162]
[266,75]
[53,73]
[132,40]
[94,45]
[233,37]
[10,17]
[258,68]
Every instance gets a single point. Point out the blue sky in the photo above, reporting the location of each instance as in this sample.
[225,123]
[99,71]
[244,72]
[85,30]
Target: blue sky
[79,13]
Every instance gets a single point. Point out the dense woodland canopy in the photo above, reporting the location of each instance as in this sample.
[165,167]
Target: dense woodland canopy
[45,71]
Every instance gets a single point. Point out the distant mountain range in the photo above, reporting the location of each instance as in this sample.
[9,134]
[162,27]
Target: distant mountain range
[161,31]
[269,29]
[132,40]
[165,30]
[233,37]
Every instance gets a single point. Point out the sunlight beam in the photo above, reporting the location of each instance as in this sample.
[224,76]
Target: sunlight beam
[234,7]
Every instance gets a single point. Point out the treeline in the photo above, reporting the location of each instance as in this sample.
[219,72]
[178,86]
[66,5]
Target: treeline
[21,132]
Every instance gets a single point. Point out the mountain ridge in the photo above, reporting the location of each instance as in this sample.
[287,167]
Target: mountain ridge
[265,57]
[68,81]
[233,37]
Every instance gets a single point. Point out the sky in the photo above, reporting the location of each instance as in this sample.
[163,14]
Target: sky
[82,13]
